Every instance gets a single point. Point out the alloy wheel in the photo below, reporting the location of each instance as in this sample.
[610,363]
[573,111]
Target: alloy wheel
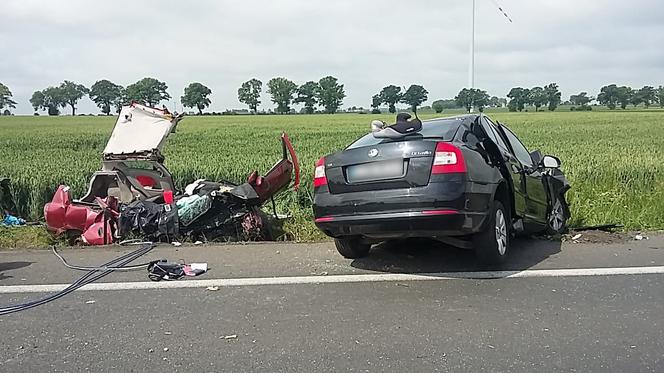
[557,217]
[501,232]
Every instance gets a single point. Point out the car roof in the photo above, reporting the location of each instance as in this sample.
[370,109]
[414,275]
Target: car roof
[466,119]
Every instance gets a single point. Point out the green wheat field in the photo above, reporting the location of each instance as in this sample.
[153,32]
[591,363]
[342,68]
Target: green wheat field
[613,159]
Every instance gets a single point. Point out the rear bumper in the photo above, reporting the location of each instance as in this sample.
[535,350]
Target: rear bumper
[393,225]
[450,208]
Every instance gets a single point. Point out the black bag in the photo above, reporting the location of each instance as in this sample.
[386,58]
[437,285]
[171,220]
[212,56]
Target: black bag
[150,220]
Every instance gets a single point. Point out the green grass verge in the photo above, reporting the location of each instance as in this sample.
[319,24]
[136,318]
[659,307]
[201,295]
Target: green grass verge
[26,237]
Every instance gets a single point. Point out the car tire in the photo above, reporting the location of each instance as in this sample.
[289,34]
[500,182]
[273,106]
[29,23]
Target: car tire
[492,244]
[556,219]
[351,248]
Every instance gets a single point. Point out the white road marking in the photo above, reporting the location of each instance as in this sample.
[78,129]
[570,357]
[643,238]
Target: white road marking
[335,279]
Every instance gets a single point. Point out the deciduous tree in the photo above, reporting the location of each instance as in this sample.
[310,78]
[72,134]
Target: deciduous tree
[105,94]
[72,92]
[582,99]
[330,94]
[250,93]
[49,99]
[147,91]
[196,95]
[438,106]
[647,95]
[306,94]
[414,96]
[537,97]
[375,104]
[390,95]
[624,96]
[6,98]
[660,96]
[609,95]
[518,98]
[473,97]
[553,96]
[282,91]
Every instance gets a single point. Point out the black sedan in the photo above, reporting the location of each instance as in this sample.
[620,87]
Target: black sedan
[465,180]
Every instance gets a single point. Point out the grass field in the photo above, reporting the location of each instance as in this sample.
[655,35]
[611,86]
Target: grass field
[614,160]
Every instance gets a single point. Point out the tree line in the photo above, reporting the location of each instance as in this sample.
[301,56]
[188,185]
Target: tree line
[108,95]
[550,97]
[325,95]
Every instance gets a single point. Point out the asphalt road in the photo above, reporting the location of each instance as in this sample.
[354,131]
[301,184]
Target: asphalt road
[547,320]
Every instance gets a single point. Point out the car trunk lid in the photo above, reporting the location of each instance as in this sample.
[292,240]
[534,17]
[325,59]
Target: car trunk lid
[140,132]
[392,165]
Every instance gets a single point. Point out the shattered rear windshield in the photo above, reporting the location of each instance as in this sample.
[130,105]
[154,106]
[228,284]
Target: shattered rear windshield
[443,129]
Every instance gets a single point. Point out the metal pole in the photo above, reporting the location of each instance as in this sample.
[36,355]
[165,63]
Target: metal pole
[471,68]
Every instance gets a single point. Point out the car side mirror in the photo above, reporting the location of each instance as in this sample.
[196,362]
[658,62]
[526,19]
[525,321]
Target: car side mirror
[550,161]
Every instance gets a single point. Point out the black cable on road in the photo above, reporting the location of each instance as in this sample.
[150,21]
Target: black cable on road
[101,268]
[89,277]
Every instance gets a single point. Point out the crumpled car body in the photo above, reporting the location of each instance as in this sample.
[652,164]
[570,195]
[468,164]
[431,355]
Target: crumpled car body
[463,180]
[124,185]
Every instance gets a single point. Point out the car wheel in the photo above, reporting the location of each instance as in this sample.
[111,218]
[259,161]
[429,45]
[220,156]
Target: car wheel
[492,244]
[556,221]
[351,248]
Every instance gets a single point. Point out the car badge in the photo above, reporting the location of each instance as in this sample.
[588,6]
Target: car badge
[373,152]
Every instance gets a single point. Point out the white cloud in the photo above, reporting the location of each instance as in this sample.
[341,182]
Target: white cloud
[366,44]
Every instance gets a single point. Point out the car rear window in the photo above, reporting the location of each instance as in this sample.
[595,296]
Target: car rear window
[442,129]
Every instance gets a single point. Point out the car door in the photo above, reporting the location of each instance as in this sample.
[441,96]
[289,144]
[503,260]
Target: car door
[536,201]
[513,166]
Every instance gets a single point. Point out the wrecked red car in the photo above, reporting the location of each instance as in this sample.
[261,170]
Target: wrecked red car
[134,195]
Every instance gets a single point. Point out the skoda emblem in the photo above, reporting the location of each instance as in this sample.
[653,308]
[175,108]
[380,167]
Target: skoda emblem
[373,152]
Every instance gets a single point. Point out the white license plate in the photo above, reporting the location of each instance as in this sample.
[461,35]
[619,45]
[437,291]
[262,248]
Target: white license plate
[375,171]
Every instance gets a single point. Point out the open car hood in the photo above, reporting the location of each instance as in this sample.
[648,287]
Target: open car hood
[140,131]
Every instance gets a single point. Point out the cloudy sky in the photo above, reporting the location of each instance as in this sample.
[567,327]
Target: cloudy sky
[367,44]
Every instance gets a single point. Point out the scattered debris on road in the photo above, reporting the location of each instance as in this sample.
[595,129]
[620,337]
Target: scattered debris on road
[597,236]
[640,237]
[233,336]
[163,270]
[212,288]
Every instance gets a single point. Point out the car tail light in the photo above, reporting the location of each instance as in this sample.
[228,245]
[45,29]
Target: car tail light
[319,173]
[448,159]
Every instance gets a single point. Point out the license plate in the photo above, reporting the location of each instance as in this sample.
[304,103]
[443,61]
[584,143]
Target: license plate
[375,171]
